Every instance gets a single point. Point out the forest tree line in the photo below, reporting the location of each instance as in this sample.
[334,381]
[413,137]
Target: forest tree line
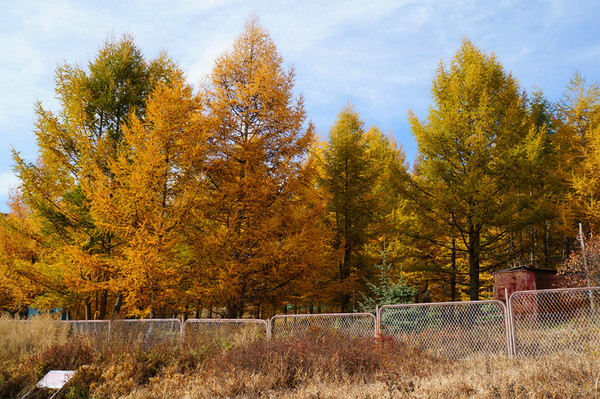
[152,198]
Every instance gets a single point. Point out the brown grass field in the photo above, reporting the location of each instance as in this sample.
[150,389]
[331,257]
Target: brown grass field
[318,366]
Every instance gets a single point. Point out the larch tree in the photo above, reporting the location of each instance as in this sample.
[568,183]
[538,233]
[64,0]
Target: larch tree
[83,136]
[541,240]
[586,183]
[151,196]
[20,249]
[470,152]
[390,177]
[261,235]
[578,130]
[364,174]
[348,176]
[389,171]
[433,255]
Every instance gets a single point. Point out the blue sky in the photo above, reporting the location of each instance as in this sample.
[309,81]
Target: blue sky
[378,55]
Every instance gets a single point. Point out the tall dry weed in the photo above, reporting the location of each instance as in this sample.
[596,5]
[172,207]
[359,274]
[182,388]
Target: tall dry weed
[23,344]
[397,373]
[297,366]
[21,337]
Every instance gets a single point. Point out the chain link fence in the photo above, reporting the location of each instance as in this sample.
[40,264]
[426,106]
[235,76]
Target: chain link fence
[535,323]
[89,329]
[551,321]
[223,332]
[354,325]
[145,331]
[453,330]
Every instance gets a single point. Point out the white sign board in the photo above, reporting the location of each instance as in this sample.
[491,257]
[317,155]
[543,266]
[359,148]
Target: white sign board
[55,379]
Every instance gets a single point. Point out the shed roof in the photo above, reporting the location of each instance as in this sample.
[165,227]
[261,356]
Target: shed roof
[526,267]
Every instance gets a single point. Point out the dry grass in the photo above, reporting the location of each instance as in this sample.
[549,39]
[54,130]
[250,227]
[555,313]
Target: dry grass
[553,377]
[313,367]
[20,337]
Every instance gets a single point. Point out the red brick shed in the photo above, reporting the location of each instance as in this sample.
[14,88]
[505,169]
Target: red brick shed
[525,278]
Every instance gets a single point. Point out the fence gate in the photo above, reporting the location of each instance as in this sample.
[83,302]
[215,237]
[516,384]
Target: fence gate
[560,320]
[452,330]
[354,325]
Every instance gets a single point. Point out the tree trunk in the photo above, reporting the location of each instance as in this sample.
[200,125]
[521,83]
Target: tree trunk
[88,309]
[453,271]
[546,244]
[117,307]
[344,274]
[24,312]
[103,301]
[232,309]
[474,234]
[532,245]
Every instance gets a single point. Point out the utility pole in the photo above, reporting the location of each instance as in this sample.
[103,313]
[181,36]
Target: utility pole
[583,255]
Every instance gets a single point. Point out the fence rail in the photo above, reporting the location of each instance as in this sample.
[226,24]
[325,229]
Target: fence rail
[533,323]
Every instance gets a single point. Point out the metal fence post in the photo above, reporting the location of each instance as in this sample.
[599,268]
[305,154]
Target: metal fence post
[269,328]
[182,330]
[513,340]
[377,321]
[509,330]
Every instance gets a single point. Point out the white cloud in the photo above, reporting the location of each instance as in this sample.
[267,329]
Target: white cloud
[8,181]
[380,54]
